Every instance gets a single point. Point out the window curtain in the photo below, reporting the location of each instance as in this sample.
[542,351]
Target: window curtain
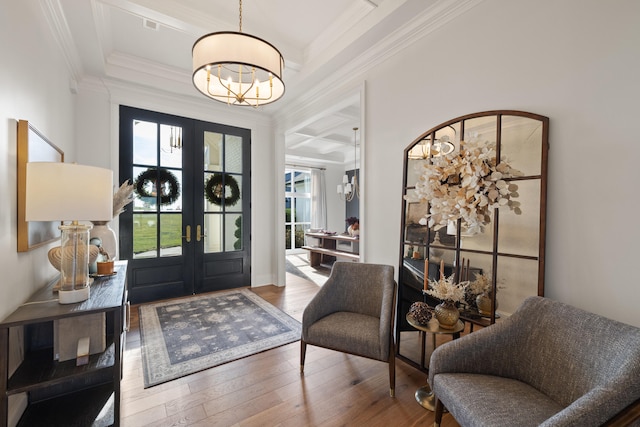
[318,200]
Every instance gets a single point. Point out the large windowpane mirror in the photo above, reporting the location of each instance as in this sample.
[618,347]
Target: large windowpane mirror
[474,204]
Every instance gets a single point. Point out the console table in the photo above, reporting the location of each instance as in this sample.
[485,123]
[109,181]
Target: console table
[61,393]
[326,248]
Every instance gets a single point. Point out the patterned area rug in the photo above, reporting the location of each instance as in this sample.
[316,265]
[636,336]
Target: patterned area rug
[187,335]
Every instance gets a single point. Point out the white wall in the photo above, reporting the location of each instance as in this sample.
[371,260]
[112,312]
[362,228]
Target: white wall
[34,86]
[576,62]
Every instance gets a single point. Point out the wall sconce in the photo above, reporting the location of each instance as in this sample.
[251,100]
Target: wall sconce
[70,192]
[348,190]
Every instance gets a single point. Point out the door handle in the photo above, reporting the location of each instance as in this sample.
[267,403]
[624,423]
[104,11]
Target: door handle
[199,233]
[188,233]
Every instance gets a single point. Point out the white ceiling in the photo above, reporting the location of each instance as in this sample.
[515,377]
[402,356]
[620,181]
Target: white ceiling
[148,43]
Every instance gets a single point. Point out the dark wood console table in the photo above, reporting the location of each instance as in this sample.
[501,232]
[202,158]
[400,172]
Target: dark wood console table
[61,393]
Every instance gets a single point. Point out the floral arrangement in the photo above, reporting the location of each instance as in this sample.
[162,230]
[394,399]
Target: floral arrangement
[446,289]
[122,197]
[466,184]
[481,285]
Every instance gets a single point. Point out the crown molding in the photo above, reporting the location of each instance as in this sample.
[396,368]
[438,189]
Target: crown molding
[431,19]
[59,29]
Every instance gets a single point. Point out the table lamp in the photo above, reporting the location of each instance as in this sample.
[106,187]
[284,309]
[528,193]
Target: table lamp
[70,192]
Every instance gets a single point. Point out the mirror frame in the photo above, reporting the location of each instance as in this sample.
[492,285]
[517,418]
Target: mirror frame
[411,276]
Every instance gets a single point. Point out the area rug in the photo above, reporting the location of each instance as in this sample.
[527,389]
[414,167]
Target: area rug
[187,335]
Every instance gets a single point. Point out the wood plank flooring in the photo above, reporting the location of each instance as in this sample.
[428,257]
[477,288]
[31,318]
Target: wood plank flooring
[267,389]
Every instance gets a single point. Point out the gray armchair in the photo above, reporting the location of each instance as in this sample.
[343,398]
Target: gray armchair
[549,364]
[353,313]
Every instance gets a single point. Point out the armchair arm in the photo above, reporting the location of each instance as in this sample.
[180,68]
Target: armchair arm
[596,407]
[486,351]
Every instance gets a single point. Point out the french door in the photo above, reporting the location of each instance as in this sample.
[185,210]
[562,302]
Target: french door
[188,228]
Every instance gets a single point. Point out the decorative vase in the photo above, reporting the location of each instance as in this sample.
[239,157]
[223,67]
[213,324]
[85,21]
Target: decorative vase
[435,254]
[447,314]
[483,302]
[102,231]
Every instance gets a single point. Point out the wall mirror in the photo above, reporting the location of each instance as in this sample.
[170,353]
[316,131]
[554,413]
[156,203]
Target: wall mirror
[506,246]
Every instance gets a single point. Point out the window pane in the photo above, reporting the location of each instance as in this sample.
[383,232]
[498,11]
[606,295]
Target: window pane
[170,235]
[287,209]
[170,146]
[145,137]
[287,181]
[302,182]
[233,154]
[145,231]
[300,230]
[288,237]
[303,210]
[213,233]
[233,232]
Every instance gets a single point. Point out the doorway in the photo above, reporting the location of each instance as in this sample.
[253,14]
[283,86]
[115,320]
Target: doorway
[188,228]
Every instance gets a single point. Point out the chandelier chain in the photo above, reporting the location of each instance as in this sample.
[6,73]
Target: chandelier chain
[240,7]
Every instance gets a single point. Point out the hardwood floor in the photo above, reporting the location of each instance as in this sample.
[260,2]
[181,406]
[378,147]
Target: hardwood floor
[267,389]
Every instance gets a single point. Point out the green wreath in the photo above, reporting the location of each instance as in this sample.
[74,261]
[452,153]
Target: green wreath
[215,190]
[165,177]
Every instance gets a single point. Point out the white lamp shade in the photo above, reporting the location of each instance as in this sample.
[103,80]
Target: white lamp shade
[232,49]
[68,192]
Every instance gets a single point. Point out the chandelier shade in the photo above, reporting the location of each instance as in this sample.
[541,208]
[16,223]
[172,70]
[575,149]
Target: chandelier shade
[237,69]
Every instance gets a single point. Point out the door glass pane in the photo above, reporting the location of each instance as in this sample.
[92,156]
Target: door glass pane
[145,151]
[213,192]
[170,146]
[233,232]
[233,192]
[222,191]
[145,230]
[213,224]
[233,154]
[147,200]
[170,235]
[212,151]
[170,190]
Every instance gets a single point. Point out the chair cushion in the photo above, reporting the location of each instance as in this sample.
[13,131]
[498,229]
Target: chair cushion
[348,332]
[491,401]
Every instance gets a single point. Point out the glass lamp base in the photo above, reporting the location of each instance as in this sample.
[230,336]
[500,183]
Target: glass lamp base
[73,296]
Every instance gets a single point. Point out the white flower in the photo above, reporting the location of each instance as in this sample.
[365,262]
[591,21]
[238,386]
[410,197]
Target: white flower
[122,197]
[446,290]
[466,185]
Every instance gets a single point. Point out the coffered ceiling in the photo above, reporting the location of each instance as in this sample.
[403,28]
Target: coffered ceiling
[148,43]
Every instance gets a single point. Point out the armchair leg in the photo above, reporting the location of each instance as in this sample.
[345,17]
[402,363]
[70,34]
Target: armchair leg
[303,352]
[392,372]
[438,412]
